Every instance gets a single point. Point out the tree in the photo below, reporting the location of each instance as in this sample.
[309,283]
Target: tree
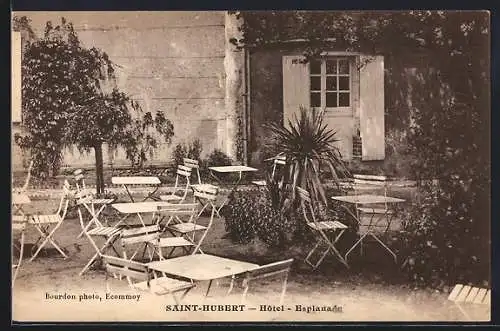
[69,98]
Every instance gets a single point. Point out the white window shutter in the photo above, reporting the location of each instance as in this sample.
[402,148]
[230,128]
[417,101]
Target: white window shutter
[371,93]
[16,83]
[295,86]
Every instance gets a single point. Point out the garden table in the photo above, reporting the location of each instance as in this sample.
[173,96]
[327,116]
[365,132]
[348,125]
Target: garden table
[138,180]
[367,199]
[239,169]
[139,208]
[202,267]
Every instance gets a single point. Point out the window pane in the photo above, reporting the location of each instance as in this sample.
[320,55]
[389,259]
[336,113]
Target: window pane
[343,66]
[315,99]
[331,83]
[315,83]
[315,67]
[344,100]
[344,83]
[331,66]
[331,99]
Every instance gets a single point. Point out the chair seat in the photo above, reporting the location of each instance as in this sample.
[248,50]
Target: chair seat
[172,242]
[170,197]
[46,219]
[259,182]
[104,231]
[375,210]
[186,227]
[327,225]
[163,285]
[102,201]
[469,294]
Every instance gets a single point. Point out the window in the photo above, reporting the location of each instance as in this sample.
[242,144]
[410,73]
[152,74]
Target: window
[330,83]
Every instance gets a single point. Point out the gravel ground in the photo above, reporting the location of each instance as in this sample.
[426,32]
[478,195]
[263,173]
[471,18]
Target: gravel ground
[357,294]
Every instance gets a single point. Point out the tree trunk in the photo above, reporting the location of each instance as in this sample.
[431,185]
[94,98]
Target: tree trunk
[99,170]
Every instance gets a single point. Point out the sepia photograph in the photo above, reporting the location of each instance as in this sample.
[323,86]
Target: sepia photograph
[250,166]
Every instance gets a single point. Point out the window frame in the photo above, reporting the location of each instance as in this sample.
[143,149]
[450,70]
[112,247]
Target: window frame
[351,58]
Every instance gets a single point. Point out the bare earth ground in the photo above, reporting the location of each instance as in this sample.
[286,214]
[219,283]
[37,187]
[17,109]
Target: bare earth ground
[362,294]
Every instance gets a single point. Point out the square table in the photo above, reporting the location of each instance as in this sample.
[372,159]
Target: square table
[139,208]
[367,199]
[138,180]
[240,169]
[201,267]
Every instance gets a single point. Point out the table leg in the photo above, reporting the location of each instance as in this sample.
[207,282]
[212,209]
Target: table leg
[128,192]
[150,195]
[208,288]
[235,187]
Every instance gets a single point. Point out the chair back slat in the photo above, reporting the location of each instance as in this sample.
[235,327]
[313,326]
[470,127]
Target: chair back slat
[205,195]
[370,180]
[191,163]
[178,209]
[125,268]
[141,234]
[19,222]
[270,269]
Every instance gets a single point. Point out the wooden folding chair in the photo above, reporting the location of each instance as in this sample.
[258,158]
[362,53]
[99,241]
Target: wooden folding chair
[327,233]
[206,195]
[193,164]
[464,295]
[139,277]
[43,223]
[376,213]
[183,174]
[107,233]
[19,223]
[186,229]
[86,197]
[280,268]
[278,160]
[372,219]
[148,236]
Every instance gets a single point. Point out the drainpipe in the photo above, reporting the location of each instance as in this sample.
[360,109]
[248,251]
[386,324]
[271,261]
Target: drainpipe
[246,109]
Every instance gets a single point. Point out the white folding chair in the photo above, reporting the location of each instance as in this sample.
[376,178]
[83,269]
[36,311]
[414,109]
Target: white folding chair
[278,160]
[327,233]
[147,236]
[465,296]
[185,229]
[139,277]
[280,268]
[183,173]
[87,199]
[107,233]
[373,219]
[19,223]
[377,213]
[193,164]
[206,195]
[43,223]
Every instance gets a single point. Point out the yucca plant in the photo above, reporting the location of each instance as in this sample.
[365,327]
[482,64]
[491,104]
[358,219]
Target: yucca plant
[309,145]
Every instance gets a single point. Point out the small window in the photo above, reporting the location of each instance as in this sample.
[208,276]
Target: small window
[330,82]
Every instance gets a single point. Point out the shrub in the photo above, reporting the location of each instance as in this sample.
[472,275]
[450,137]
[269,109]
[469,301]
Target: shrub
[216,158]
[444,239]
[240,218]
